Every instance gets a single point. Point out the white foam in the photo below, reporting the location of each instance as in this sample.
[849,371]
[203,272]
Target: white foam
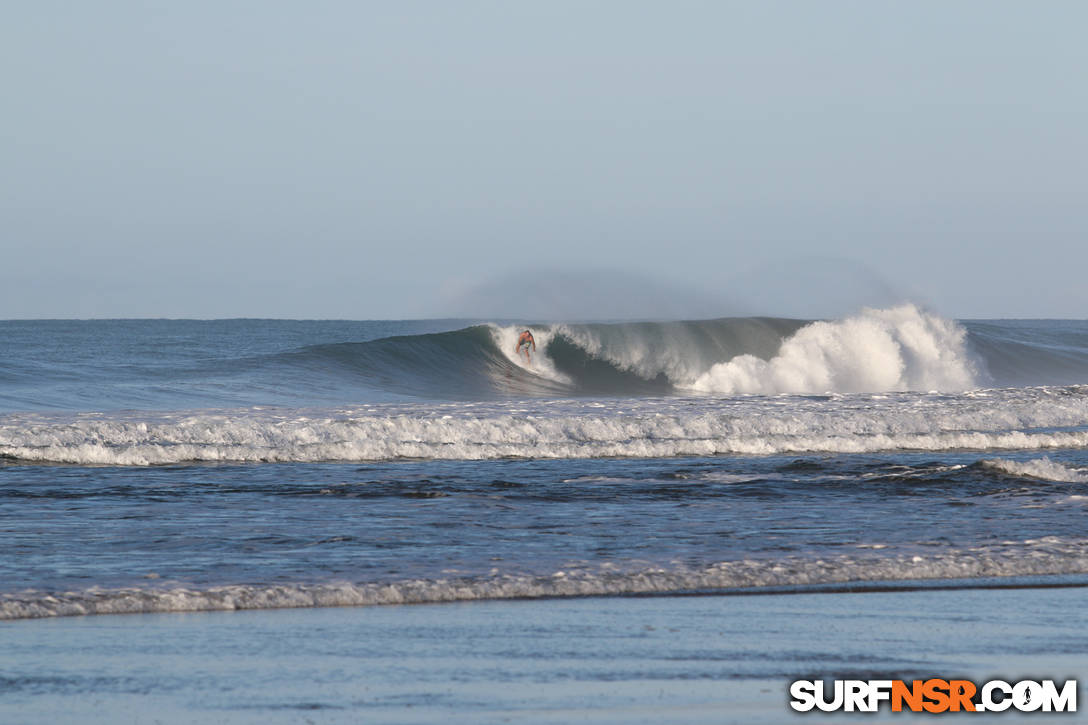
[1041,468]
[1024,419]
[1048,556]
[897,349]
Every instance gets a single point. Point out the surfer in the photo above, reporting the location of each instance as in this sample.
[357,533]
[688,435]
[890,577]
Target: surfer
[525,339]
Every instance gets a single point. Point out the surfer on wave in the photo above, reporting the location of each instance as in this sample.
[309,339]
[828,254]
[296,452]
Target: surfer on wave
[525,339]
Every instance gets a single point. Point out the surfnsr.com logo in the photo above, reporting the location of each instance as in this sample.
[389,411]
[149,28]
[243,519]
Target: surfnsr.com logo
[933,695]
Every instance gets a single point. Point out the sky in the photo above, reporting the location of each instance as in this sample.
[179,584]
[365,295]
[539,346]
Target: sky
[575,160]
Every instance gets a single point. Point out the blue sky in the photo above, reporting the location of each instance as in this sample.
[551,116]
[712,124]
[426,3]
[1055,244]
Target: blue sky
[561,159]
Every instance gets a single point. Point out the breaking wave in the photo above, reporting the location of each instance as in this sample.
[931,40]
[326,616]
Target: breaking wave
[1031,558]
[1043,469]
[902,348]
[879,350]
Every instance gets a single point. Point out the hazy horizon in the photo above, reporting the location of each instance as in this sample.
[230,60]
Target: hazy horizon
[346,160]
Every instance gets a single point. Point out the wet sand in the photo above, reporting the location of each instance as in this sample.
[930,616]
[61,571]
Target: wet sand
[679,659]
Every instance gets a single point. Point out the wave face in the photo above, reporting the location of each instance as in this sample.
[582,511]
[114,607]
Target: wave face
[1031,352]
[892,350]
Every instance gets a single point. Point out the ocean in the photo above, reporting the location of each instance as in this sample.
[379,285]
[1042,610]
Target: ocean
[155,467]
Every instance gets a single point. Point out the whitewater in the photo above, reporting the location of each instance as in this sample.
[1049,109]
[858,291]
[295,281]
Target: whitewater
[181,465]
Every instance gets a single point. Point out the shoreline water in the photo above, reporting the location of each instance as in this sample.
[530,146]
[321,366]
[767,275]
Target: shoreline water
[15,606]
[681,659]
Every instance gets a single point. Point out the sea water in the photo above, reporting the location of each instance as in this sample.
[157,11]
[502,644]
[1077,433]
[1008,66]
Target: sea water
[178,465]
